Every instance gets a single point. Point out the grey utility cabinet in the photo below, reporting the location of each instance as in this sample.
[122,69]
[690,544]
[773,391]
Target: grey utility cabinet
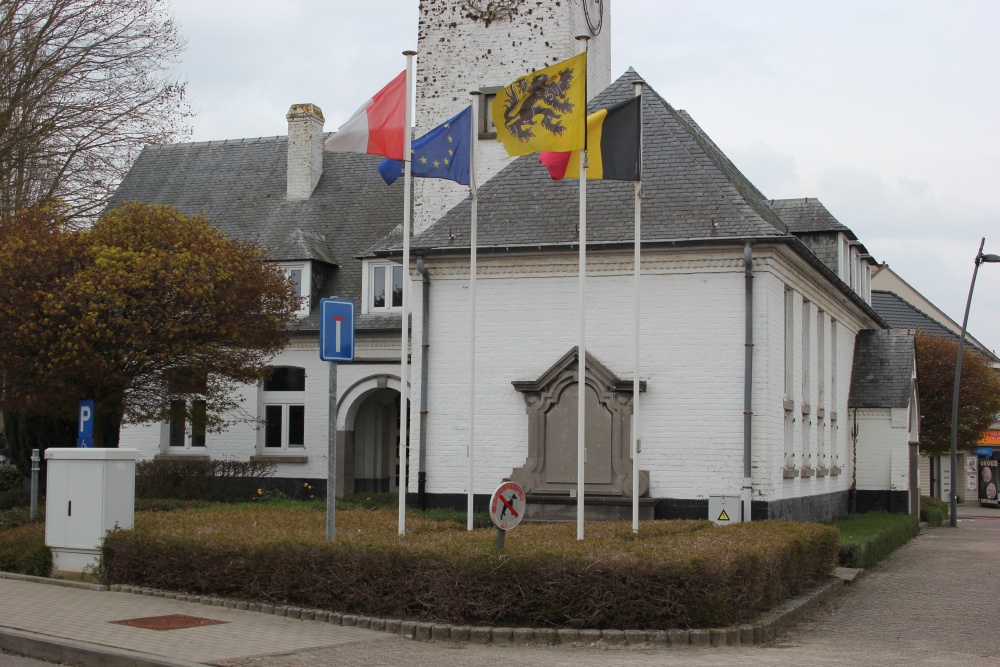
[88,492]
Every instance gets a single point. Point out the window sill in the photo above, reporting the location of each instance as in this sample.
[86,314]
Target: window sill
[807,472]
[279,458]
[789,473]
[834,470]
[822,472]
[187,454]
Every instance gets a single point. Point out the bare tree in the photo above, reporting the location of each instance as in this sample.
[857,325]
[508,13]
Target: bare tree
[84,84]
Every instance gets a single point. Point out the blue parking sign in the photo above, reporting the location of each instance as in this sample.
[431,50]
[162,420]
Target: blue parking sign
[336,330]
[85,430]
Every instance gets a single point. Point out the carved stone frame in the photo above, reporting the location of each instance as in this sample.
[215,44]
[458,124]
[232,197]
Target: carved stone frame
[614,394]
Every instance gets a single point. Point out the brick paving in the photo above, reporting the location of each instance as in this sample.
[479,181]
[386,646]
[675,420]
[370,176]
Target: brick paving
[931,603]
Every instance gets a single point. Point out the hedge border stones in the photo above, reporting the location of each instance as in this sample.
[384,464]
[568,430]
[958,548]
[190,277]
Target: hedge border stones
[763,630]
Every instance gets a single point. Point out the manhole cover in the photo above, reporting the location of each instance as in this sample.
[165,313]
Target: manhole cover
[168,622]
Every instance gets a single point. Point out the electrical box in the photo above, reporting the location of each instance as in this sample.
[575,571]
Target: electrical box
[88,492]
[723,510]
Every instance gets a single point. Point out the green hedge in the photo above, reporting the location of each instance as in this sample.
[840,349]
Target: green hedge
[675,574]
[865,539]
[934,511]
[11,488]
[23,550]
[210,480]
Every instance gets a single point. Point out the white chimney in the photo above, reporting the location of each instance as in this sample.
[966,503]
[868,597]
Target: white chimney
[305,149]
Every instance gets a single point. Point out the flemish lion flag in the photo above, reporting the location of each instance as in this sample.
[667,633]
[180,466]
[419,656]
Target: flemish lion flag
[612,146]
[544,110]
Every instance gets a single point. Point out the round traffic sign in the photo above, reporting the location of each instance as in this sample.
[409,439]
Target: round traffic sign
[507,505]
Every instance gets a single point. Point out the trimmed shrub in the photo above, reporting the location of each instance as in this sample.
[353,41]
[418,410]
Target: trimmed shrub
[934,511]
[865,539]
[12,491]
[212,480]
[23,550]
[673,574]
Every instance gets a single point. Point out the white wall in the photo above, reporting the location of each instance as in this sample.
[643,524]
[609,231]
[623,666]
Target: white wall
[883,449]
[692,347]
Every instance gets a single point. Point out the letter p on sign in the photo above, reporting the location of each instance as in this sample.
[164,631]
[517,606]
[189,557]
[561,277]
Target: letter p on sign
[86,427]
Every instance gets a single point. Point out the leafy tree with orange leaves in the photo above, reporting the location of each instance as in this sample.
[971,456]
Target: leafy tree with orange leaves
[978,397]
[145,306]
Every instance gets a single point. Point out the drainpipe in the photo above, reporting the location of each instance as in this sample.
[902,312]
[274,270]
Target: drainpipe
[424,346]
[747,381]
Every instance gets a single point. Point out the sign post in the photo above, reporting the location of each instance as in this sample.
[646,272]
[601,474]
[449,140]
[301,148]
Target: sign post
[85,431]
[506,509]
[336,344]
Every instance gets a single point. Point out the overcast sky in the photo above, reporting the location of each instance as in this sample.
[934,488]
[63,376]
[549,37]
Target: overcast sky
[887,111]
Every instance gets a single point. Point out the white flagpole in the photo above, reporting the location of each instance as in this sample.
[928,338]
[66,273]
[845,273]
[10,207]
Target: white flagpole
[635,329]
[404,361]
[473,244]
[581,362]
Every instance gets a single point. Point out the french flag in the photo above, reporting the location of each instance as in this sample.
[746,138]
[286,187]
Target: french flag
[377,127]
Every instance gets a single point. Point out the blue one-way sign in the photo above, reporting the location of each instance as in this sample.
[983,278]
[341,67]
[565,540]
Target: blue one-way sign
[336,330]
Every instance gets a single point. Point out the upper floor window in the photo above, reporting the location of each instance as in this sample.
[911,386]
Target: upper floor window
[301,276]
[383,287]
[487,130]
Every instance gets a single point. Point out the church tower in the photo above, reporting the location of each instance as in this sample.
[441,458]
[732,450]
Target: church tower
[466,45]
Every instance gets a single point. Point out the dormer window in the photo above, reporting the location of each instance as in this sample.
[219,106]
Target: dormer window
[300,274]
[383,287]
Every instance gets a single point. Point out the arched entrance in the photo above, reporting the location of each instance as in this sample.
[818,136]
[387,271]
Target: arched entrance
[368,435]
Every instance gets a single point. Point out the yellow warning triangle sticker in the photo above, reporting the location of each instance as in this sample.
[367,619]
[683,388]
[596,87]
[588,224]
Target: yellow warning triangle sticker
[723,516]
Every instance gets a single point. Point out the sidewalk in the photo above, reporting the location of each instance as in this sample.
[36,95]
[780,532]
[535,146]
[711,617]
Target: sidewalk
[917,608]
[82,619]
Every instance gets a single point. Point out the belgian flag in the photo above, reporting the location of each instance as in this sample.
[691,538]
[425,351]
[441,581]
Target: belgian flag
[612,146]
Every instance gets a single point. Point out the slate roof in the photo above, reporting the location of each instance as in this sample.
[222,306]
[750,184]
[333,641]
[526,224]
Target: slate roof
[882,376]
[240,185]
[690,191]
[807,214]
[901,314]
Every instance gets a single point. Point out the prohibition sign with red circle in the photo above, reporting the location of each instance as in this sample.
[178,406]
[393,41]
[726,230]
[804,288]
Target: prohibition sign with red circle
[507,505]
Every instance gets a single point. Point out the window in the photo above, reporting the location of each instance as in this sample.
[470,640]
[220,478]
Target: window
[188,415]
[187,423]
[821,360]
[789,342]
[284,410]
[487,130]
[806,352]
[301,277]
[383,287]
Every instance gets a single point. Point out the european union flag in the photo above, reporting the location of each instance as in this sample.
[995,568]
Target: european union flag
[441,153]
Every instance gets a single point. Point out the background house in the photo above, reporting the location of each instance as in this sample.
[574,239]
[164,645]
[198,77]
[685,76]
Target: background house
[904,308]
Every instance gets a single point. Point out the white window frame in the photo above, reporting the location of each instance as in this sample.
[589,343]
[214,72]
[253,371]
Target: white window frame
[286,400]
[368,286]
[305,284]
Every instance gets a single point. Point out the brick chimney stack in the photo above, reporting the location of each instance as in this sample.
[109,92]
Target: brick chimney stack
[305,149]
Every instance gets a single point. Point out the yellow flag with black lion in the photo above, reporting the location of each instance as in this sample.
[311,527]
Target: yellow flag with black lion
[545,110]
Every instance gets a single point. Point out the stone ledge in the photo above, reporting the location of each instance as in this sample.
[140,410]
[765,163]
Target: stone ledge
[279,458]
[181,456]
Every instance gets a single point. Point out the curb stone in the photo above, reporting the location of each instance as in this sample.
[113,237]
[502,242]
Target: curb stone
[763,630]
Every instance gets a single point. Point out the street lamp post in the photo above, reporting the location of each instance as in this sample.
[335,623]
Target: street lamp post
[980,258]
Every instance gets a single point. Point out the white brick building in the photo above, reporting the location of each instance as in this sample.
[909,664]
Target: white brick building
[329,218]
